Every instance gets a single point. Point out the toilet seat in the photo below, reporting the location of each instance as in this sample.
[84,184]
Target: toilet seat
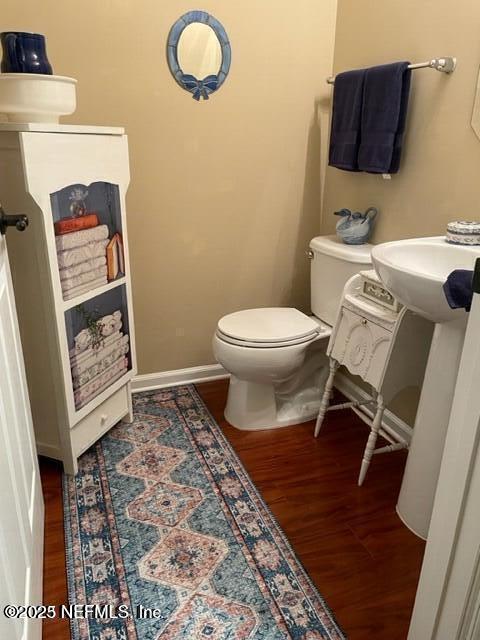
[264,345]
[269,327]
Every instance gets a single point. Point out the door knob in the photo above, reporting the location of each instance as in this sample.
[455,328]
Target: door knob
[20,221]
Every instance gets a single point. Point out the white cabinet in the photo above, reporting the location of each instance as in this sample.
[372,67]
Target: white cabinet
[361,345]
[71,277]
[375,338]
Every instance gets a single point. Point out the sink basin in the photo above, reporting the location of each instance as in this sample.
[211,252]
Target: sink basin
[415,270]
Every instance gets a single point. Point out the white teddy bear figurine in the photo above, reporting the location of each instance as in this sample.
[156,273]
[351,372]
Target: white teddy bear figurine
[111,323]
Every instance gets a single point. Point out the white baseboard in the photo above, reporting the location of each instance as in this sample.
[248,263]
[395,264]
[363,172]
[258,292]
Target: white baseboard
[210,372]
[150,381]
[49,451]
[353,392]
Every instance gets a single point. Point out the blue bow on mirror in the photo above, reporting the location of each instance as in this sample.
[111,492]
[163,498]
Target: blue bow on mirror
[200,88]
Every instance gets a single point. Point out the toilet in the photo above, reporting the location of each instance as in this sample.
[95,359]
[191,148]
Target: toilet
[276,356]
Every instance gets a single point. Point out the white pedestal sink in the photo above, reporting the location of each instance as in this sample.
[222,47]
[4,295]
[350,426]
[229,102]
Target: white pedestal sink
[414,271]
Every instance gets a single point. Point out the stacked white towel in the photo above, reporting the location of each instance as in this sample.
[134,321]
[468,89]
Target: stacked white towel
[81,238]
[73,292]
[94,368]
[73,257]
[78,357]
[82,260]
[103,359]
[88,391]
[83,267]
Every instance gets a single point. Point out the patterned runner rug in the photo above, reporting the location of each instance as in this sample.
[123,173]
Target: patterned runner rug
[165,527]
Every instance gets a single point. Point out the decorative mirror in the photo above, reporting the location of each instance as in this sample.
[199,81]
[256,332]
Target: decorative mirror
[476,109]
[198,53]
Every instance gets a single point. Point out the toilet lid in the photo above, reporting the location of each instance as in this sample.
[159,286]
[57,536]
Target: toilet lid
[268,325]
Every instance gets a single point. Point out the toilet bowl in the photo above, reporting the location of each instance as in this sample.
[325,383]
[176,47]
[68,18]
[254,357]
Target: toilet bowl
[276,357]
[266,351]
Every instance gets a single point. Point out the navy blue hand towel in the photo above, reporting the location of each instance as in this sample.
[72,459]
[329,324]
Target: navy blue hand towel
[346,120]
[384,111]
[458,289]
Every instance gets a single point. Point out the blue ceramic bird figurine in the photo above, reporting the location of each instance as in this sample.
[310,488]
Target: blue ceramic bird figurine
[356,227]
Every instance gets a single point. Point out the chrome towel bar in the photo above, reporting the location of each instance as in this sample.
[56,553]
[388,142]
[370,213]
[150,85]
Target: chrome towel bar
[445,65]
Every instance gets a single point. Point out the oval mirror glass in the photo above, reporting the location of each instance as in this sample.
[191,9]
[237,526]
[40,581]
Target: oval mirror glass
[199,51]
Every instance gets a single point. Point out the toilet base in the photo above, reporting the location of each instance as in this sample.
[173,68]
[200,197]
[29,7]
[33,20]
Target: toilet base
[253,406]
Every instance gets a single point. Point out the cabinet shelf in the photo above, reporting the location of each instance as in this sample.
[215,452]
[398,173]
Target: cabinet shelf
[93,293]
[98,337]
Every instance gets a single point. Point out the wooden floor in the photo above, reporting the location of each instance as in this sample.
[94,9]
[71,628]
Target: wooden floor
[364,561]
[54,573]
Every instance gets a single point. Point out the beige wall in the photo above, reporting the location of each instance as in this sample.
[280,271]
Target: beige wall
[439,179]
[225,194]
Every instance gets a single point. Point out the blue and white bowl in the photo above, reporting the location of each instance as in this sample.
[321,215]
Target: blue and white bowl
[463,232]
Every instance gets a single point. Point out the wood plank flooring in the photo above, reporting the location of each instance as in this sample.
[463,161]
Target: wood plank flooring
[54,572]
[364,561]
[361,557]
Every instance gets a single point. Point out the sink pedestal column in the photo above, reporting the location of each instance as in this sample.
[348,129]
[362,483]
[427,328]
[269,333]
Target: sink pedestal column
[417,493]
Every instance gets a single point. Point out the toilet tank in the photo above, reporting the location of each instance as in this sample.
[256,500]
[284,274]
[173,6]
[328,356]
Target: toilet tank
[333,263]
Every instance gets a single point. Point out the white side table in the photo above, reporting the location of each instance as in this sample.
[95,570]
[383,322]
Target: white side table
[383,343]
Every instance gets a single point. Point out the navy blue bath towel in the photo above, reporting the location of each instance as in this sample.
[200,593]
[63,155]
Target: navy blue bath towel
[384,112]
[458,289]
[346,120]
